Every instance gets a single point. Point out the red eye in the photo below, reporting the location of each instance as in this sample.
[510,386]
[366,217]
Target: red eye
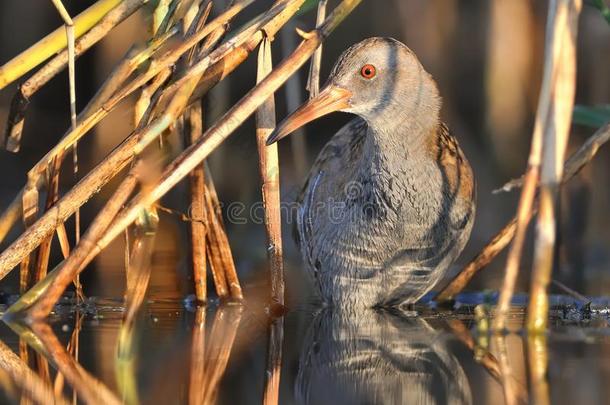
[368,71]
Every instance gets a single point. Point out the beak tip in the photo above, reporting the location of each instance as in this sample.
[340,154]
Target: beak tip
[271,139]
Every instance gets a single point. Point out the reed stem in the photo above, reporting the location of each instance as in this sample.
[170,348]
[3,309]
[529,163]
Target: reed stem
[270,175]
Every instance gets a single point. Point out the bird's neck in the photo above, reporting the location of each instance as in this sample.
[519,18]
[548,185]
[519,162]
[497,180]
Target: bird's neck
[401,136]
[396,164]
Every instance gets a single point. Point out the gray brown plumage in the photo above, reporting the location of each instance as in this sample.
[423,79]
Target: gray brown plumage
[389,203]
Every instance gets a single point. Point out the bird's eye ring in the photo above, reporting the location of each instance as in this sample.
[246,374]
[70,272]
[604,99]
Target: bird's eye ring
[368,71]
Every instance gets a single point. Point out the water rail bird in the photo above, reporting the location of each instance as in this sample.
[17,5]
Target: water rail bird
[390,200]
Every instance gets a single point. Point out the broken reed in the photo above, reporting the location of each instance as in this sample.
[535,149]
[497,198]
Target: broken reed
[169,102]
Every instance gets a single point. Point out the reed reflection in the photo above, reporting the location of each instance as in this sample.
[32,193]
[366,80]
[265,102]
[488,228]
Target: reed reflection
[19,382]
[41,338]
[217,352]
[378,357]
[271,391]
[538,359]
[498,368]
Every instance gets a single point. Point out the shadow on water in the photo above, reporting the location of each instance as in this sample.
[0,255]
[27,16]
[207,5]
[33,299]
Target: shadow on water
[172,353]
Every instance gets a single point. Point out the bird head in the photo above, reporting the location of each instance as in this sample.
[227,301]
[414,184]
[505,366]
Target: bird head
[376,79]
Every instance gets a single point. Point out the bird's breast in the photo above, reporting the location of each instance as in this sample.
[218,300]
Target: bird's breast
[359,223]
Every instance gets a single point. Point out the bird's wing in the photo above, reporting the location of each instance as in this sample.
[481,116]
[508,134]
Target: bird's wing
[454,165]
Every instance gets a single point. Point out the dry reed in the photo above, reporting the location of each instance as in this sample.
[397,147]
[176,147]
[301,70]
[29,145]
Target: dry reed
[269,172]
[563,43]
[270,175]
[168,100]
[92,182]
[193,155]
[53,43]
[553,118]
[198,211]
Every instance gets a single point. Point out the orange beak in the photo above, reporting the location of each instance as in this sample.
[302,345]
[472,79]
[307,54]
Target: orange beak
[331,99]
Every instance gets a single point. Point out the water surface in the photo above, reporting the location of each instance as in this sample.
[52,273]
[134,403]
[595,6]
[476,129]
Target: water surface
[179,353]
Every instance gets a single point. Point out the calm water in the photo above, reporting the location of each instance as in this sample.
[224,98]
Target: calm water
[176,353]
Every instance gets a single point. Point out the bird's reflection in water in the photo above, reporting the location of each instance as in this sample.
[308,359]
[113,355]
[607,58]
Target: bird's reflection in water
[377,357]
